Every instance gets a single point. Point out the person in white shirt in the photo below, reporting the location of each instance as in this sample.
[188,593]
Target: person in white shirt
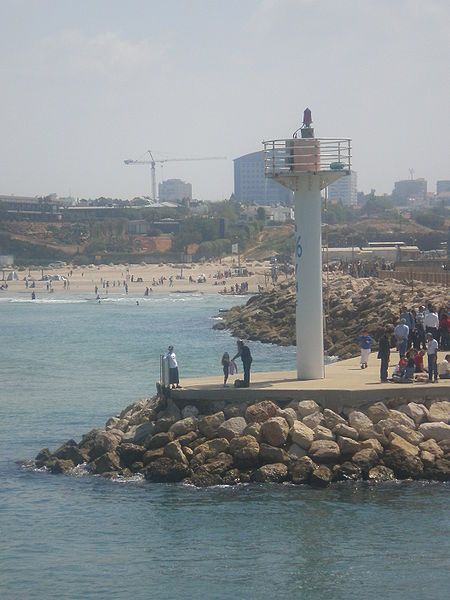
[444,368]
[432,350]
[174,377]
[431,322]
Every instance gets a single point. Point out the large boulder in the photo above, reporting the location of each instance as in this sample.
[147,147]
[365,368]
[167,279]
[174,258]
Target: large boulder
[417,412]
[321,476]
[324,451]
[204,478]
[261,411]
[436,431]
[234,410]
[184,426]
[403,464]
[166,470]
[377,411]
[396,441]
[323,433]
[210,449]
[152,455]
[274,473]
[440,470]
[97,442]
[71,451]
[272,454]
[106,463]
[359,421]
[301,435]
[287,413]
[411,435]
[332,419]
[189,411]
[365,459]
[187,439]
[348,471]
[254,429]
[295,451]
[300,470]
[164,424]
[381,473]
[174,451]
[159,440]
[307,407]
[42,458]
[130,453]
[209,424]
[440,412]
[400,417]
[433,447]
[313,420]
[232,427]
[245,451]
[275,431]
[347,446]
[142,431]
[219,464]
[346,431]
[58,466]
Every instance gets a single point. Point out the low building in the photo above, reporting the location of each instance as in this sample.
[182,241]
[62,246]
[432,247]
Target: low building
[409,190]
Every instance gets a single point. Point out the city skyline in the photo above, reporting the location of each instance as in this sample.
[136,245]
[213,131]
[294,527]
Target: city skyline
[86,86]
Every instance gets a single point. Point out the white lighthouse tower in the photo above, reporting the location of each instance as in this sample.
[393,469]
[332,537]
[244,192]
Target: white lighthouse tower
[306,165]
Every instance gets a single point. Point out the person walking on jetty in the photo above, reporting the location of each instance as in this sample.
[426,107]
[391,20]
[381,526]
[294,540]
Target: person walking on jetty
[432,350]
[174,377]
[246,357]
[365,342]
[384,353]
[401,333]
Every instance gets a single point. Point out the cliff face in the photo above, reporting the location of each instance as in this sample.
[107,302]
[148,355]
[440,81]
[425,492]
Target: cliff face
[350,305]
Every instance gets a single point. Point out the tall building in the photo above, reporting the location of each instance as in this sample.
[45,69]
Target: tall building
[410,189]
[344,190]
[250,184]
[443,186]
[173,190]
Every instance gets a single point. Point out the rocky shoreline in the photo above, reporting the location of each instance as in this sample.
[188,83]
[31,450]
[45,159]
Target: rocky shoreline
[261,442]
[350,305]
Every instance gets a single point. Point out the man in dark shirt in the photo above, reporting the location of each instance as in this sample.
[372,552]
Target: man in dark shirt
[384,352]
[246,357]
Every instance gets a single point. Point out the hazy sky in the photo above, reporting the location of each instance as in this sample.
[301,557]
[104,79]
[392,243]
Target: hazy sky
[88,83]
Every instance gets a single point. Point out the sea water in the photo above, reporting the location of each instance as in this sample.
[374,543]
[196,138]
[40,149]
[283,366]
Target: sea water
[66,366]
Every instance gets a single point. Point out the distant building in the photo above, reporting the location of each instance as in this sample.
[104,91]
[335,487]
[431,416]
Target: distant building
[251,185]
[443,187]
[344,190]
[30,208]
[6,260]
[174,190]
[410,189]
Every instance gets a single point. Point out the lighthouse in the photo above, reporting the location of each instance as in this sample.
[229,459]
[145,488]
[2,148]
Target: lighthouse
[306,165]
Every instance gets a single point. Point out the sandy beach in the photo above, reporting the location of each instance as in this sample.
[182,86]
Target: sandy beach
[113,279]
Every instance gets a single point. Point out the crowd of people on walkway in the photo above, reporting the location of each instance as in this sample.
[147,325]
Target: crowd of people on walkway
[417,333]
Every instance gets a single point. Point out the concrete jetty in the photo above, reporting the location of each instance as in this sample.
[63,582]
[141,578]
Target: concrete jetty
[346,384]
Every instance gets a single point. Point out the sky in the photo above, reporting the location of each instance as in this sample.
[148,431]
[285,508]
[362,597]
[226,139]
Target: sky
[86,84]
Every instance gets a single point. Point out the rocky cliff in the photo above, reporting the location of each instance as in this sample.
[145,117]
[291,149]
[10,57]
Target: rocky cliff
[350,305]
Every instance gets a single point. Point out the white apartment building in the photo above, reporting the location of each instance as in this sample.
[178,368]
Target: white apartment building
[344,190]
[174,190]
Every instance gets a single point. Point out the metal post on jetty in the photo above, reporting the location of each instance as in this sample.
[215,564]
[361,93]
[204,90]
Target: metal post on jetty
[306,165]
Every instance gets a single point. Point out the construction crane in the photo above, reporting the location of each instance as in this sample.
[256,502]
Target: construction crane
[152,162]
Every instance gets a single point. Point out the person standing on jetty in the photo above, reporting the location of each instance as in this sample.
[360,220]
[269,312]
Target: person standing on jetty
[174,377]
[246,357]
[401,333]
[384,353]
[365,342]
[432,350]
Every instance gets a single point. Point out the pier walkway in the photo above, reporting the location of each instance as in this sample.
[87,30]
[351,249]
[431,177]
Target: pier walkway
[346,384]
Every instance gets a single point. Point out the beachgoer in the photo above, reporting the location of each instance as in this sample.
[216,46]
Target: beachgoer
[431,322]
[174,377]
[432,350]
[444,368]
[365,342]
[401,333]
[384,352]
[226,367]
[418,361]
[33,295]
[246,357]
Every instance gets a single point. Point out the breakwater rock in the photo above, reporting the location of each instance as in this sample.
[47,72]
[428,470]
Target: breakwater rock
[350,305]
[300,442]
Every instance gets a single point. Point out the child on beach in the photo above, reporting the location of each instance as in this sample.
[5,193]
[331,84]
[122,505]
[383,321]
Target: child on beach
[365,342]
[226,367]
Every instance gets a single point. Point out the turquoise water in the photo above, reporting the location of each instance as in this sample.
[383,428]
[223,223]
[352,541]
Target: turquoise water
[67,366]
